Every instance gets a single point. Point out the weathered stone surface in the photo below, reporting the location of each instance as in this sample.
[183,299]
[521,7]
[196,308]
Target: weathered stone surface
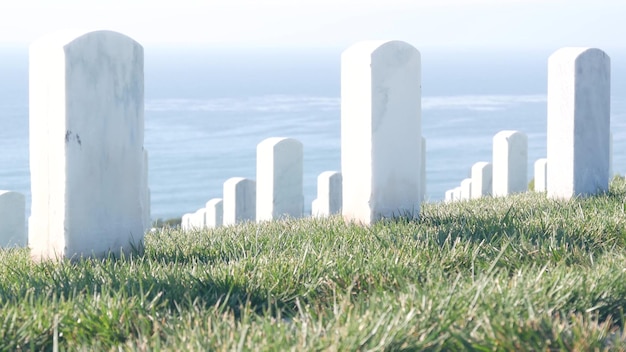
[510,163]
[279,179]
[579,102]
[380,124]
[12,219]
[86,144]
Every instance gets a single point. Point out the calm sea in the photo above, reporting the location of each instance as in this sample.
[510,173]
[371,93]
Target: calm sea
[206,110]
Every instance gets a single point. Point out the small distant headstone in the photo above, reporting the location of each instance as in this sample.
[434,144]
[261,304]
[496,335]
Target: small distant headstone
[456,193]
[381,131]
[510,160]
[466,189]
[214,213]
[482,172]
[449,196]
[579,89]
[541,173]
[328,201]
[315,208]
[198,219]
[12,219]
[185,222]
[279,179]
[86,145]
[239,200]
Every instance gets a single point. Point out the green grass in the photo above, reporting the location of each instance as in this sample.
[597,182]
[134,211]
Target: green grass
[515,273]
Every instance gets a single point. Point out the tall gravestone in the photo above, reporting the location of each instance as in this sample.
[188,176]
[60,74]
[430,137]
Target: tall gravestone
[328,201]
[481,175]
[86,144]
[239,200]
[12,219]
[541,173]
[279,179]
[381,131]
[214,212]
[510,163]
[579,102]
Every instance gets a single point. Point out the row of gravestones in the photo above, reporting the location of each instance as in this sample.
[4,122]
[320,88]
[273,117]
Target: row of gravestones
[88,167]
[579,141]
[506,174]
[279,190]
[276,193]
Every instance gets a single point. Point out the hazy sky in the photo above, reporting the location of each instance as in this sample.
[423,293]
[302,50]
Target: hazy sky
[544,24]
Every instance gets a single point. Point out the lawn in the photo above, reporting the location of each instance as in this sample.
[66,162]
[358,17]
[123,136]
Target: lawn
[515,273]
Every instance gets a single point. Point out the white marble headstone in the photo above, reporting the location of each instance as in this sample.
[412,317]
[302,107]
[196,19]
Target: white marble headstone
[510,163]
[456,193]
[381,131]
[12,219]
[466,188]
[541,173]
[198,219]
[579,88]
[239,200]
[214,213]
[279,179]
[186,222]
[449,196]
[86,144]
[328,201]
[481,174]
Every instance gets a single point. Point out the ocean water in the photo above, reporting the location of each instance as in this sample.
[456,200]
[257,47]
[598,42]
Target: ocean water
[207,109]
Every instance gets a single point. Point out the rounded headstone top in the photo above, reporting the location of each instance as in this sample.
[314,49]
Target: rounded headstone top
[11,194]
[480,164]
[64,37]
[234,180]
[574,53]
[213,202]
[276,141]
[507,133]
[370,47]
[329,174]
